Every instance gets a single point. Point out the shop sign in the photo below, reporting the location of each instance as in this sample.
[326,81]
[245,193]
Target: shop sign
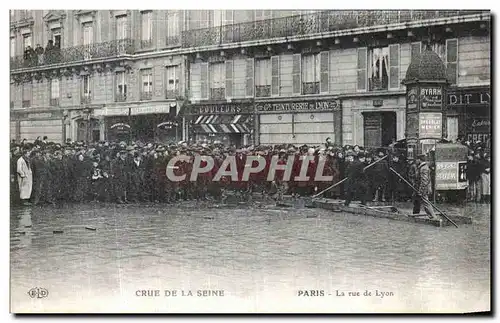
[412,125]
[431,97]
[120,127]
[38,115]
[477,125]
[167,125]
[430,125]
[331,105]
[482,137]
[229,108]
[470,97]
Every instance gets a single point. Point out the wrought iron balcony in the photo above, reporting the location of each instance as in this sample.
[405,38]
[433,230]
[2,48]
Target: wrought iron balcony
[218,94]
[324,21]
[54,102]
[173,41]
[310,88]
[86,98]
[146,96]
[26,103]
[146,44]
[377,84]
[120,97]
[172,94]
[262,91]
[105,50]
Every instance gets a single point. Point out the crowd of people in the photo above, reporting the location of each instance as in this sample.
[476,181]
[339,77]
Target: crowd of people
[39,55]
[45,172]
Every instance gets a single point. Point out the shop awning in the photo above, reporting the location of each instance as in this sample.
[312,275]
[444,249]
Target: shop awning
[223,123]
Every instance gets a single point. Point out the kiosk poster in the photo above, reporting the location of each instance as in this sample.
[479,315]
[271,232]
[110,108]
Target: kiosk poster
[431,125]
[431,97]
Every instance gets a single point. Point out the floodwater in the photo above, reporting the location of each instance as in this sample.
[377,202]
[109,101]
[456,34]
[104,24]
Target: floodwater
[111,258]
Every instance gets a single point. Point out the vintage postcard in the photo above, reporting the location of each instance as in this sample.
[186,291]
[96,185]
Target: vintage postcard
[250,161]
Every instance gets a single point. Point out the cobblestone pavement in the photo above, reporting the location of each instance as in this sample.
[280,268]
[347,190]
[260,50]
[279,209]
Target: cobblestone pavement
[96,257]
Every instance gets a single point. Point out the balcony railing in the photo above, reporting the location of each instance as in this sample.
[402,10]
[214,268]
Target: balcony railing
[173,41]
[377,84]
[120,97]
[324,21]
[218,94]
[75,54]
[262,91]
[172,94]
[26,103]
[86,99]
[54,102]
[146,44]
[146,96]
[310,88]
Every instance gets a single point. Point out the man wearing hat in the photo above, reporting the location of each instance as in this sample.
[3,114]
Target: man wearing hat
[356,180]
[119,173]
[423,185]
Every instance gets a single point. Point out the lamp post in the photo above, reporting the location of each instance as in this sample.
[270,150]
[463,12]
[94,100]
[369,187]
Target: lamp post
[130,124]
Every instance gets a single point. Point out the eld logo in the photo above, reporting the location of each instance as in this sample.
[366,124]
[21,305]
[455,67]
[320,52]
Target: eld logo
[38,292]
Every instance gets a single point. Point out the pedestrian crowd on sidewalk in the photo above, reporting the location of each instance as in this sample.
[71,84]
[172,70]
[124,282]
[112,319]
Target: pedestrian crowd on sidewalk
[45,172]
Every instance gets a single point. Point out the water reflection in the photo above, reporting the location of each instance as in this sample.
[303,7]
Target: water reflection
[257,255]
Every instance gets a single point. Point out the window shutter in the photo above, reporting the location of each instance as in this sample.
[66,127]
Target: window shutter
[324,72]
[394,66]
[296,60]
[416,48]
[250,77]
[452,60]
[362,78]
[229,79]
[204,80]
[275,76]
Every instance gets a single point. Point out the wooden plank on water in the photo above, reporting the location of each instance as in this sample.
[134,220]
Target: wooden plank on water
[325,204]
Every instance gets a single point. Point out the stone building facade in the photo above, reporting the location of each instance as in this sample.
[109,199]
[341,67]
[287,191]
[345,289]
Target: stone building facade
[244,76]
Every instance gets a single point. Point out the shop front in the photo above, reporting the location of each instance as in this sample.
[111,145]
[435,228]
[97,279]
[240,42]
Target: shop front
[469,114]
[373,121]
[299,122]
[30,125]
[230,123]
[157,123]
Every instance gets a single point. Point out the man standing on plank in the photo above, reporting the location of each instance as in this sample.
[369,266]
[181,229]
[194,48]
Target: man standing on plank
[423,185]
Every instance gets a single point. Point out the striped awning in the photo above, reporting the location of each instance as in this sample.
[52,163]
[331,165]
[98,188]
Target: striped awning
[222,123]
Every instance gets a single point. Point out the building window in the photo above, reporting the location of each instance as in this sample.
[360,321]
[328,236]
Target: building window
[452,128]
[310,74]
[173,31]
[56,37]
[26,41]
[416,49]
[86,89]
[54,92]
[121,87]
[88,33]
[12,46]
[452,60]
[383,68]
[172,81]
[147,84]
[147,29]
[448,52]
[121,27]
[217,81]
[263,77]
[378,69]
[27,94]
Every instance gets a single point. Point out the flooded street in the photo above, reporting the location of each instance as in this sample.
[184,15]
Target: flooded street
[101,257]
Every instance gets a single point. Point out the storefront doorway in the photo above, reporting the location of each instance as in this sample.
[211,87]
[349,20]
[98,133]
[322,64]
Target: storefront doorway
[379,128]
[88,130]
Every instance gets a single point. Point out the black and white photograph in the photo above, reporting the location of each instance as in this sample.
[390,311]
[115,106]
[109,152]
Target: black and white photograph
[250,160]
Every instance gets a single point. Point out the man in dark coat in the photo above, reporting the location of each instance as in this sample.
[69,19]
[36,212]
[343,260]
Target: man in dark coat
[423,185]
[119,173]
[136,178]
[356,180]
